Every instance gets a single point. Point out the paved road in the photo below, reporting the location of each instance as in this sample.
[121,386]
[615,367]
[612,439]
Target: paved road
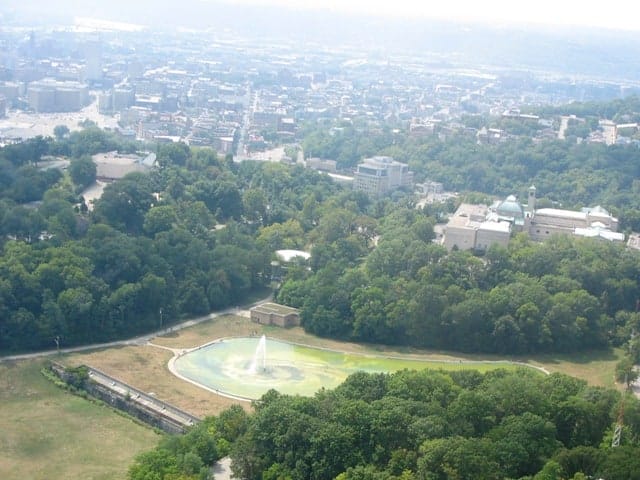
[141,340]
[222,469]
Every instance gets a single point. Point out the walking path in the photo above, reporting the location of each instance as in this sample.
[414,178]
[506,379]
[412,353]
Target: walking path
[222,469]
[141,340]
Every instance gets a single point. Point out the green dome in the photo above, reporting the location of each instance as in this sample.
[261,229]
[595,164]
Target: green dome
[510,207]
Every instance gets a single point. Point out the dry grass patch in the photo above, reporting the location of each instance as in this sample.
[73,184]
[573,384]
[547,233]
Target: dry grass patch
[597,368]
[49,433]
[145,368]
[223,326]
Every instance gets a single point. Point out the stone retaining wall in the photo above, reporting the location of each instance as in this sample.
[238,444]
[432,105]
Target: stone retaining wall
[144,407]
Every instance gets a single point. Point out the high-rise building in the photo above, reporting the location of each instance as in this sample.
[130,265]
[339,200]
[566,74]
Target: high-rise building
[93,61]
[379,175]
[105,103]
[122,98]
[10,91]
[49,95]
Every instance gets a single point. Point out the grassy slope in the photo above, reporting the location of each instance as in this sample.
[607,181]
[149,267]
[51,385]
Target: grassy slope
[48,433]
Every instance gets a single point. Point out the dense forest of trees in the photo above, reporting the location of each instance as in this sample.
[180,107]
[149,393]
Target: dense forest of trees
[198,233]
[182,239]
[563,295]
[425,425]
[189,456]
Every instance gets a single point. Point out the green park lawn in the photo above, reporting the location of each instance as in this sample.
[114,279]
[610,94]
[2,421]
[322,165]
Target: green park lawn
[596,367]
[48,433]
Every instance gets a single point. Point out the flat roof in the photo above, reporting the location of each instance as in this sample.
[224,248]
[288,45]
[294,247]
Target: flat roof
[288,255]
[468,209]
[270,307]
[504,227]
[555,212]
[597,232]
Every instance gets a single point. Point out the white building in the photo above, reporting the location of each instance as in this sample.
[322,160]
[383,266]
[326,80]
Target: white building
[469,229]
[379,175]
[549,221]
[477,226]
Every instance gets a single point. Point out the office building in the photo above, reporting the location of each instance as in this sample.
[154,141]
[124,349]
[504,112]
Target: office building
[49,95]
[379,175]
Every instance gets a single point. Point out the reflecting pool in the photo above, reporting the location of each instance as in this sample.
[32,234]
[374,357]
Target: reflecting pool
[232,367]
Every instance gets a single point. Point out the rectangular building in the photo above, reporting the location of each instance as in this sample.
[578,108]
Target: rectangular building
[49,95]
[274,314]
[379,175]
[468,229]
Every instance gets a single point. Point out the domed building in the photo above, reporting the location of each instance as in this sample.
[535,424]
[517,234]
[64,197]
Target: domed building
[478,227]
[508,210]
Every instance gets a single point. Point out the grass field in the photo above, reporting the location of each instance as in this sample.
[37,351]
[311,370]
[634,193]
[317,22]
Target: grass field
[596,367]
[145,367]
[47,433]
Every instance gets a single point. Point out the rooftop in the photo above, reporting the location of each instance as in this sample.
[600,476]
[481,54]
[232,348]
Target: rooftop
[288,255]
[605,233]
[504,227]
[556,212]
[276,308]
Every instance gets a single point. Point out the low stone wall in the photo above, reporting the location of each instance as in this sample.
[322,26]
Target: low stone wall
[146,408]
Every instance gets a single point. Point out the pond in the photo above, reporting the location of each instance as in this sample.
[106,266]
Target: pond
[247,368]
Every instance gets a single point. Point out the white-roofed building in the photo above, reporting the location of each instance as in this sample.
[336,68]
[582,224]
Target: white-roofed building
[477,226]
[289,255]
[550,221]
[599,232]
[469,229]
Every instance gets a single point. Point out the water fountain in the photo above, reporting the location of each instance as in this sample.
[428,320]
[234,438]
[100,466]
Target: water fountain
[261,351]
[238,367]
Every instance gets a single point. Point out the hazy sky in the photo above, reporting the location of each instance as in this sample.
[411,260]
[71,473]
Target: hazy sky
[620,14]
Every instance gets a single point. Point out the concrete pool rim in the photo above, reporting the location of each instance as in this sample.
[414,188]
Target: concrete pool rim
[178,352]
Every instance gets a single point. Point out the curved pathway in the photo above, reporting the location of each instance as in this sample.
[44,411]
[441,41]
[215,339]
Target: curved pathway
[141,340]
[222,469]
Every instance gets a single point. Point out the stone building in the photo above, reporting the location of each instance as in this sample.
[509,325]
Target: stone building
[274,314]
[476,227]
[469,229]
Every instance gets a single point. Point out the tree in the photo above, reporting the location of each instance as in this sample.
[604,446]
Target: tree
[173,154]
[60,131]
[159,219]
[83,171]
[125,203]
[626,372]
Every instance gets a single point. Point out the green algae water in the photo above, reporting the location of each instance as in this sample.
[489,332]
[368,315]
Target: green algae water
[242,367]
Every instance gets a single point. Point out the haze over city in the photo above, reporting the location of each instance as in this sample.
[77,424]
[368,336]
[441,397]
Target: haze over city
[351,240]
[587,13]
